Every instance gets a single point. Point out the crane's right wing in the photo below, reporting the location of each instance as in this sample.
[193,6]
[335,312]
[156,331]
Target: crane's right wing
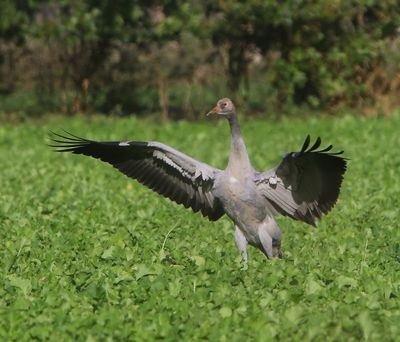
[160,167]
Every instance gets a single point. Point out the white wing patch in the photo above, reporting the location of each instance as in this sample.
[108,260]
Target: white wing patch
[197,173]
[124,143]
[272,180]
[186,166]
[170,162]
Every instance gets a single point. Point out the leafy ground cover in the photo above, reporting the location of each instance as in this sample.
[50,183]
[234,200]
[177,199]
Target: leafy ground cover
[87,254]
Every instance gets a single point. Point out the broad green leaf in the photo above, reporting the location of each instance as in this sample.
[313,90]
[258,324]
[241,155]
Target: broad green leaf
[24,285]
[225,312]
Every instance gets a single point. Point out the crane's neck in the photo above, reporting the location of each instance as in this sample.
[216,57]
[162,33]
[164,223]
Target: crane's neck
[239,162]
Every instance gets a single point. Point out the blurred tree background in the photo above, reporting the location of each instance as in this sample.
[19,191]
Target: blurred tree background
[176,57]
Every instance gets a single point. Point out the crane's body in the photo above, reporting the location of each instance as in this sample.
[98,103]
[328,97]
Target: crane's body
[242,201]
[303,186]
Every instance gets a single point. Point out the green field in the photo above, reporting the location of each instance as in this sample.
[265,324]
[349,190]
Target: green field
[88,254]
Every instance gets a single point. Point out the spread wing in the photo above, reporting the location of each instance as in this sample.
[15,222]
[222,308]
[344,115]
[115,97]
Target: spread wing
[306,184]
[160,167]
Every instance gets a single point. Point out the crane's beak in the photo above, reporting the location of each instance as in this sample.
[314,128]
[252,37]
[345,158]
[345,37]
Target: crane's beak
[214,111]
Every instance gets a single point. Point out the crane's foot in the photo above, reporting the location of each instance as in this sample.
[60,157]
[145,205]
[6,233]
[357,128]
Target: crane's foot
[241,243]
[276,249]
[270,238]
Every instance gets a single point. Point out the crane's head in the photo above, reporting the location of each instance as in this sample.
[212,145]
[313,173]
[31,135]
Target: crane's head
[224,108]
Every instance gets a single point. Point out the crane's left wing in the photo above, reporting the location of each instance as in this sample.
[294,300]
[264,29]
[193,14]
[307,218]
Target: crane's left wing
[157,166]
[306,184]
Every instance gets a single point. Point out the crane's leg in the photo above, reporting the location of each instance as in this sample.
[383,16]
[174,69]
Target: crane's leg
[241,243]
[270,237]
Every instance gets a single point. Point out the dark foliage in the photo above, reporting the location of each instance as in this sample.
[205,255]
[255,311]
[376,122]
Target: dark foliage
[176,57]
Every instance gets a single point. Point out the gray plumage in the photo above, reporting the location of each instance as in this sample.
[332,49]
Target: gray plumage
[304,186]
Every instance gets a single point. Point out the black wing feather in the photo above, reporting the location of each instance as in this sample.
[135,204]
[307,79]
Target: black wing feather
[307,182]
[170,173]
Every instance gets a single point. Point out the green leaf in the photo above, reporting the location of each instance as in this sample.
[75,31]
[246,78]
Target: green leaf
[225,312]
[366,323]
[313,287]
[143,270]
[294,314]
[343,281]
[175,288]
[24,285]
[199,260]
[21,303]
[108,253]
